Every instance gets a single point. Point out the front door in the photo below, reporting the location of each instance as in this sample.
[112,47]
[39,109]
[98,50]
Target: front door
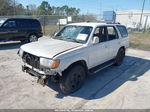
[99,52]
[9,30]
[3,34]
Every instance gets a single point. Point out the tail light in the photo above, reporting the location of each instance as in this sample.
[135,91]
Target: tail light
[40,29]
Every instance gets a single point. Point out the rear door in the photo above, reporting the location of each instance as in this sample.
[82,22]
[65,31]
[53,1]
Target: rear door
[23,26]
[114,42]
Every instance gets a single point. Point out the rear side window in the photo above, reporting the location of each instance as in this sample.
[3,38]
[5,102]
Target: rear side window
[23,23]
[123,31]
[34,23]
[28,23]
[112,33]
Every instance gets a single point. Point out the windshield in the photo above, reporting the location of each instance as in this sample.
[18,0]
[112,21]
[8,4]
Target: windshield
[77,34]
[2,20]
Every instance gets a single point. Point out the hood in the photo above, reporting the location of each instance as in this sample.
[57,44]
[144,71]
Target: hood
[49,48]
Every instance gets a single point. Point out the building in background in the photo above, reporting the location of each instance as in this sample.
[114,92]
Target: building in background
[131,18]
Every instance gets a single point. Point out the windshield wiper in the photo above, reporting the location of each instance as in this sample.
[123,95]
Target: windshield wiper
[73,40]
[58,37]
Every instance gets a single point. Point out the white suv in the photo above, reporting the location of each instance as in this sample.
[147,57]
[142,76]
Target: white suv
[77,50]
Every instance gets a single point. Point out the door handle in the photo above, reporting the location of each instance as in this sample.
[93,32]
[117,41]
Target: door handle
[3,32]
[13,31]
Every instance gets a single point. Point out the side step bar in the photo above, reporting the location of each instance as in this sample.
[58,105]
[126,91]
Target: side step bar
[101,66]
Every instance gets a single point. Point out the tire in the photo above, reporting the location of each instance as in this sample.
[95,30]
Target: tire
[120,56]
[33,38]
[72,79]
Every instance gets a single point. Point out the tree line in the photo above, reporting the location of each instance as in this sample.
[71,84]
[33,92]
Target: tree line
[10,7]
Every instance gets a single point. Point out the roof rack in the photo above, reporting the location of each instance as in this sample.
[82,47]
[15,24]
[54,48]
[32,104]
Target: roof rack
[112,23]
[106,22]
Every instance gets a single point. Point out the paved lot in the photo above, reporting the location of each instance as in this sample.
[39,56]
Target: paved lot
[124,87]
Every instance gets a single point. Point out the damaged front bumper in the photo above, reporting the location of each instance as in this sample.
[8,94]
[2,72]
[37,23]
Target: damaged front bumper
[36,72]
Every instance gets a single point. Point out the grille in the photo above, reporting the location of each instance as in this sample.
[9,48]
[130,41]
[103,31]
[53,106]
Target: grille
[32,60]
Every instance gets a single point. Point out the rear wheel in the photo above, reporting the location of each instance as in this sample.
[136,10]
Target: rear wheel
[120,56]
[33,38]
[72,79]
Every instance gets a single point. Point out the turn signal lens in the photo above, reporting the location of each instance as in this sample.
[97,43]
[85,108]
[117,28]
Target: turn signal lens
[56,63]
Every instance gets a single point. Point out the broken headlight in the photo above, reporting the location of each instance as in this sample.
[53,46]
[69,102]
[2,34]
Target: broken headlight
[48,63]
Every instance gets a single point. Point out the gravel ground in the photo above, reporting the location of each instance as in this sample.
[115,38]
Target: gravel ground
[123,87]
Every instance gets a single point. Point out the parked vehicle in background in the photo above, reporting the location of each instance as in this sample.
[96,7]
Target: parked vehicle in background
[20,29]
[77,50]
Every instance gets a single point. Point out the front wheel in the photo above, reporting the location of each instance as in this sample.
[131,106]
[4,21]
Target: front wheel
[120,56]
[33,38]
[72,79]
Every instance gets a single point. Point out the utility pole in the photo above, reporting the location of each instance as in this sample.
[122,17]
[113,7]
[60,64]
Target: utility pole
[100,9]
[141,15]
[27,10]
[145,26]
[14,7]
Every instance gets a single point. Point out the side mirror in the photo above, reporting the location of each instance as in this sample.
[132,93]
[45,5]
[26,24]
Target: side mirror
[95,40]
[55,33]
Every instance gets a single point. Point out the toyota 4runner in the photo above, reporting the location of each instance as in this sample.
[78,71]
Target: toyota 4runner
[77,50]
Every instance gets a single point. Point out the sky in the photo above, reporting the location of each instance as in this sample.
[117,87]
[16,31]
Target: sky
[94,6]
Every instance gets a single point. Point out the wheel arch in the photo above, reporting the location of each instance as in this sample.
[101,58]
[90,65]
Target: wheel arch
[122,47]
[79,62]
[31,33]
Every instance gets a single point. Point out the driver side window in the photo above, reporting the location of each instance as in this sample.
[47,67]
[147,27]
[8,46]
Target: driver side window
[10,24]
[100,32]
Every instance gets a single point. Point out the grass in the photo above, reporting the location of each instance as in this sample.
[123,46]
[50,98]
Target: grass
[140,41]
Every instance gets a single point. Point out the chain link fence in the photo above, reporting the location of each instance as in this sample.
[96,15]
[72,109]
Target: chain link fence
[52,24]
[131,20]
